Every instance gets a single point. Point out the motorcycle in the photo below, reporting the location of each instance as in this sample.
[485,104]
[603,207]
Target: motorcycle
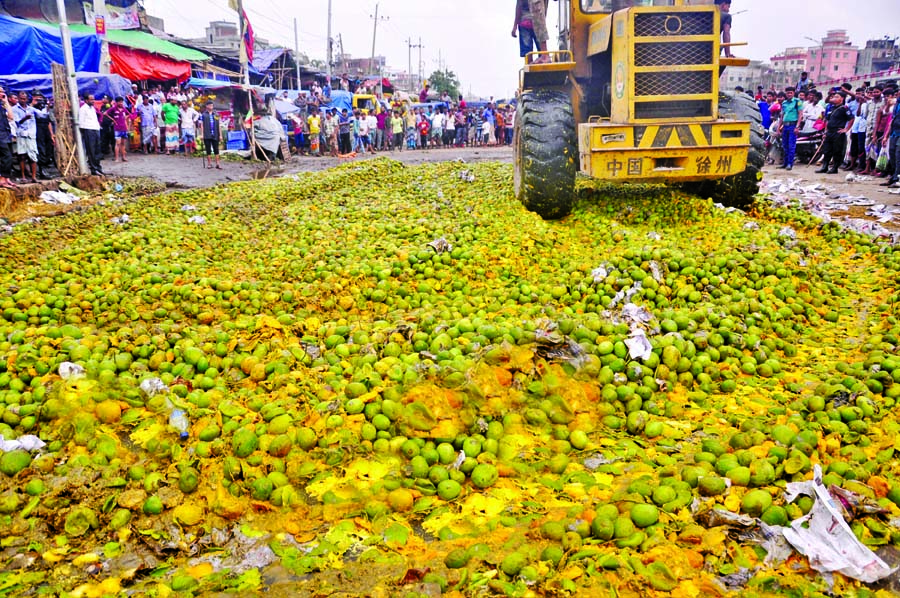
[808,143]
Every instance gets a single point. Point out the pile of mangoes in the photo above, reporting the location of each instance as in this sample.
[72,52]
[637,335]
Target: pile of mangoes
[398,381]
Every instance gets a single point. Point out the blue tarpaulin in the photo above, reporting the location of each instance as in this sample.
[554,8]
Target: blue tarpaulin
[28,48]
[203,83]
[340,99]
[95,83]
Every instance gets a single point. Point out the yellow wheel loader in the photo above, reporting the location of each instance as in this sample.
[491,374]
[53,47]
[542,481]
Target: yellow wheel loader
[633,96]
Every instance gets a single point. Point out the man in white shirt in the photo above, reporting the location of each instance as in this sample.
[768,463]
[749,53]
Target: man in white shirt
[437,127]
[149,129]
[372,126]
[811,113]
[189,117]
[858,131]
[90,134]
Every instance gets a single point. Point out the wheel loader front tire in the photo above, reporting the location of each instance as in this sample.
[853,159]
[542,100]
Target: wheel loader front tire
[739,190]
[546,153]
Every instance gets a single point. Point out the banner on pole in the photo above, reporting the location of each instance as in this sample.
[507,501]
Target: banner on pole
[117,17]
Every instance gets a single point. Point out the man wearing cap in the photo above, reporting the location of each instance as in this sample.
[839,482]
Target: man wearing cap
[725,25]
[840,121]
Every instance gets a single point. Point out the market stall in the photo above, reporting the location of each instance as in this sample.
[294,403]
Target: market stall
[28,48]
[94,83]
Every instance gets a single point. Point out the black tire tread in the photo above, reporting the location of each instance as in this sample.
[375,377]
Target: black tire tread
[546,160]
[739,190]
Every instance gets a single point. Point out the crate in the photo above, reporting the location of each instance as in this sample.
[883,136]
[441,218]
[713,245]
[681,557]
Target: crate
[237,144]
[237,136]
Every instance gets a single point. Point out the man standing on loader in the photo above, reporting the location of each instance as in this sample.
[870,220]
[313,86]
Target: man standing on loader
[725,25]
[531,25]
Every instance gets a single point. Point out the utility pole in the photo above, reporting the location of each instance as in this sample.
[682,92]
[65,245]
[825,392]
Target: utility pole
[100,11]
[297,52]
[411,81]
[245,71]
[328,57]
[73,83]
[376,18]
[341,54]
[420,63]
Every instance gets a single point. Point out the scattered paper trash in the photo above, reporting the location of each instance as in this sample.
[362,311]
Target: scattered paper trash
[440,245]
[28,443]
[638,345]
[788,233]
[636,315]
[59,198]
[69,370]
[197,220]
[856,178]
[460,459]
[188,208]
[830,206]
[153,386]
[600,273]
[123,219]
[825,538]
[881,213]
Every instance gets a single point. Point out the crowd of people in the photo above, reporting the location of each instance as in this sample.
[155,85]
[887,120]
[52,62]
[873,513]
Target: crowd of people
[168,122]
[398,126]
[27,137]
[856,129]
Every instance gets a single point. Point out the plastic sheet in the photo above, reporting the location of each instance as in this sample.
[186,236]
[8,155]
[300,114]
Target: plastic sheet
[28,443]
[68,370]
[825,538]
[59,198]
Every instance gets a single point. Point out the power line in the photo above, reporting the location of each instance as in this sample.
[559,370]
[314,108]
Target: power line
[175,10]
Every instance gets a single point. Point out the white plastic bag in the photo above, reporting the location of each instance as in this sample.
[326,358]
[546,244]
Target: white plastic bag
[826,539]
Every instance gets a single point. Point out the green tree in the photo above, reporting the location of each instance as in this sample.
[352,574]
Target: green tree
[445,79]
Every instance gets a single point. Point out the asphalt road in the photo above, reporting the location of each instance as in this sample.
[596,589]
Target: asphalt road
[178,171]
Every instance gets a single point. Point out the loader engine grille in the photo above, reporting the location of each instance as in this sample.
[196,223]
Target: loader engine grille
[649,54]
[674,55]
[673,84]
[683,109]
[663,25]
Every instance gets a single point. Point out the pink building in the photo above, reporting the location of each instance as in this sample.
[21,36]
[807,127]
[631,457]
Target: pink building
[835,59]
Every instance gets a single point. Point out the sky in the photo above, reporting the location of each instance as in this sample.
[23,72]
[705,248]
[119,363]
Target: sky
[472,37]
